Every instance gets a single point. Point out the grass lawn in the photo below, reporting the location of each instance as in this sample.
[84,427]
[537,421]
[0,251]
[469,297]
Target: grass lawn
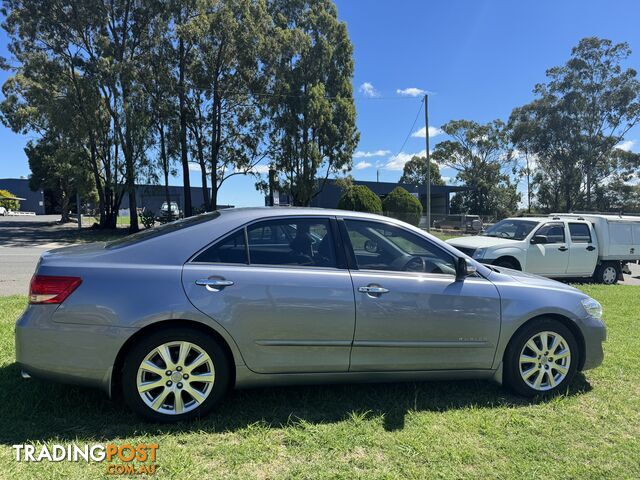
[412,430]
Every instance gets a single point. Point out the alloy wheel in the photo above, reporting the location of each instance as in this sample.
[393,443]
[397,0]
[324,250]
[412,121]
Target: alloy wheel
[545,360]
[175,377]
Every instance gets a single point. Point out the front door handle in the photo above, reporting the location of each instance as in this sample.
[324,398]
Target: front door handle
[373,289]
[563,249]
[213,283]
[591,248]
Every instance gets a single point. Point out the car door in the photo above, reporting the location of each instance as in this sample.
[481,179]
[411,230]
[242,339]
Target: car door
[551,258]
[288,304]
[583,254]
[411,312]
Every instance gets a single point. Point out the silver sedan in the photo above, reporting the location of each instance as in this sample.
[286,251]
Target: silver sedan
[175,316]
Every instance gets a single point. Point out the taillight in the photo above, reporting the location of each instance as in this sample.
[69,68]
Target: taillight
[51,289]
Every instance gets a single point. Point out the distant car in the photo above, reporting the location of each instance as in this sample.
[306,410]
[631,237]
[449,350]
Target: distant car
[466,223]
[174,316]
[3,211]
[559,246]
[169,212]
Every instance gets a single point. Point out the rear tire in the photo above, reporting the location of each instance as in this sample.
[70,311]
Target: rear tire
[607,273]
[541,359]
[174,375]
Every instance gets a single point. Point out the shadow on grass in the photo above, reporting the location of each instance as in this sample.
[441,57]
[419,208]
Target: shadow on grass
[33,410]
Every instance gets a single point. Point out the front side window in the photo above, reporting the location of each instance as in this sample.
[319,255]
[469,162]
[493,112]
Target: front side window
[291,241]
[378,246]
[553,231]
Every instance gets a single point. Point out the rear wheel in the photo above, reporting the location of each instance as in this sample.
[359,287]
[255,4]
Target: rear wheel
[607,273]
[542,358]
[175,375]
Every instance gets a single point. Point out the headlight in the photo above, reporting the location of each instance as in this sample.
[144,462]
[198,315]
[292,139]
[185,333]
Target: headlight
[592,307]
[479,253]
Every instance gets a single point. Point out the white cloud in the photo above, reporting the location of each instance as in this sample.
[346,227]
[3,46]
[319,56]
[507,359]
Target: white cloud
[362,165]
[377,153]
[411,92]
[396,162]
[368,90]
[262,168]
[433,132]
[627,145]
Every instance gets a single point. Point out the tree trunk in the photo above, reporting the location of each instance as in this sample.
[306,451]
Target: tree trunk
[186,181]
[64,218]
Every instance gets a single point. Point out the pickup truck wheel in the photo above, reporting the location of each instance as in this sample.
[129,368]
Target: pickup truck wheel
[606,273]
[506,263]
[541,359]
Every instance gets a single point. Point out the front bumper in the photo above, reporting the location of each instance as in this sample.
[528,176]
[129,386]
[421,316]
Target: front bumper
[67,353]
[594,333]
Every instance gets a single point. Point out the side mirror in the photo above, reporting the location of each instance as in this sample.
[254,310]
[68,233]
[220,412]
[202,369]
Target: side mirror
[539,239]
[464,269]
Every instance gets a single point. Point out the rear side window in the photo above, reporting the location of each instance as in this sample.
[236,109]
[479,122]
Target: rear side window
[232,249]
[580,233]
[292,241]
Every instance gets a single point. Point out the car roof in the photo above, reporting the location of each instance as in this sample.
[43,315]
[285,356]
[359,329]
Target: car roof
[250,213]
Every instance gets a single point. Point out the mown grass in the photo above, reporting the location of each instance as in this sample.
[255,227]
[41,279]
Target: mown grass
[413,430]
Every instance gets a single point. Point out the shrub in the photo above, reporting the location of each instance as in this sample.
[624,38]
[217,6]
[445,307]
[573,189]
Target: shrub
[8,204]
[147,218]
[402,205]
[360,198]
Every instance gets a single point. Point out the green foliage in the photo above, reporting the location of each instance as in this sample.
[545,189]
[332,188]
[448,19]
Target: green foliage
[7,203]
[402,205]
[360,198]
[313,116]
[415,172]
[575,122]
[147,218]
[480,155]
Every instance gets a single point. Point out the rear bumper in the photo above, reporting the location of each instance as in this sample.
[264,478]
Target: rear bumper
[67,353]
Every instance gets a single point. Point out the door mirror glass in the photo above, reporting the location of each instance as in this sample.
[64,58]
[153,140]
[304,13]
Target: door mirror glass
[370,246]
[464,268]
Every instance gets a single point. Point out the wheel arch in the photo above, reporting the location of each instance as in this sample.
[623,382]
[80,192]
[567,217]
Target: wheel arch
[116,374]
[511,259]
[567,322]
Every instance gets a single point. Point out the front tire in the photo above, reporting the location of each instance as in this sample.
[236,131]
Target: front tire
[175,375]
[507,263]
[541,359]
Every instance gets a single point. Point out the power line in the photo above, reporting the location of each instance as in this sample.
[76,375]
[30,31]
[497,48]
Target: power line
[411,129]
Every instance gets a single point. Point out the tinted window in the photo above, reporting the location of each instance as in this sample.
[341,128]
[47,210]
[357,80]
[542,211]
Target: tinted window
[230,250]
[379,246]
[553,231]
[580,233]
[304,242]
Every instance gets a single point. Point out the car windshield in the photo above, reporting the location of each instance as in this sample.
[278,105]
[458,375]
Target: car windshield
[511,229]
[161,230]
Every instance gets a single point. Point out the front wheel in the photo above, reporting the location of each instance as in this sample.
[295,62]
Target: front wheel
[175,375]
[542,358]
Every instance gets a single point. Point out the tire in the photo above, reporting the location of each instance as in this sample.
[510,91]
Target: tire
[545,374]
[506,263]
[607,273]
[183,398]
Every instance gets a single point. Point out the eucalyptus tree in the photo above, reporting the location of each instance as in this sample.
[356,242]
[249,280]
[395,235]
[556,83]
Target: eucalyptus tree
[310,71]
[480,155]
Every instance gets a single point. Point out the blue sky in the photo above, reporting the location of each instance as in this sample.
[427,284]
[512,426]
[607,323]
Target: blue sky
[479,58]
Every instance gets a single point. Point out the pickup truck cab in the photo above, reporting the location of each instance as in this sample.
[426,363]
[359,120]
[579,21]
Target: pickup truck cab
[549,246]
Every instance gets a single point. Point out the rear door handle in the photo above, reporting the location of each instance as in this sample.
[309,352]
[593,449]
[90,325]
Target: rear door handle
[591,248]
[213,284]
[563,249]
[373,290]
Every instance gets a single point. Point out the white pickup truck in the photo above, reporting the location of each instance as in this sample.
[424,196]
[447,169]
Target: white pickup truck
[561,245]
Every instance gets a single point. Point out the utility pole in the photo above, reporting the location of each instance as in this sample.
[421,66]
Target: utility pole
[426,136]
